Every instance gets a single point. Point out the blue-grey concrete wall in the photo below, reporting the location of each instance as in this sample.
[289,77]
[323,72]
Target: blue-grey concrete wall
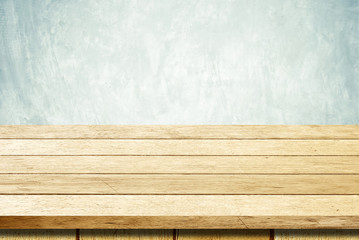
[179,62]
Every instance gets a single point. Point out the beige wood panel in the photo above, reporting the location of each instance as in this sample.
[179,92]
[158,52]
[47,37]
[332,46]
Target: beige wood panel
[181,164]
[37,234]
[182,131]
[219,234]
[125,222]
[177,184]
[179,222]
[179,147]
[180,205]
[179,177]
[122,234]
[333,234]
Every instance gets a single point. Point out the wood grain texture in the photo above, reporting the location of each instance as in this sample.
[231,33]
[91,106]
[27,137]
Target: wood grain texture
[300,234]
[179,177]
[181,131]
[178,147]
[37,234]
[180,205]
[216,234]
[181,164]
[208,234]
[123,234]
[179,222]
[177,184]
[123,222]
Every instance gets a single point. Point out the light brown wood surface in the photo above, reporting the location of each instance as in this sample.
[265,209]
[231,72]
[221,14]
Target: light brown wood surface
[179,177]
[126,234]
[300,234]
[36,234]
[204,184]
[177,147]
[202,234]
[180,132]
[214,234]
[182,164]
[180,205]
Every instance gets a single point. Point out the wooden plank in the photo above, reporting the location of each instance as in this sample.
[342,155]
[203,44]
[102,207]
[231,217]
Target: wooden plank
[182,131]
[123,234]
[180,205]
[303,222]
[179,177]
[317,234]
[177,184]
[179,147]
[34,234]
[179,222]
[182,164]
[121,222]
[222,234]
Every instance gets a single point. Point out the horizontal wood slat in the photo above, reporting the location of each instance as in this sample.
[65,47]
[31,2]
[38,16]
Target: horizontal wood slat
[181,132]
[179,147]
[179,222]
[221,234]
[177,184]
[179,205]
[182,164]
[210,176]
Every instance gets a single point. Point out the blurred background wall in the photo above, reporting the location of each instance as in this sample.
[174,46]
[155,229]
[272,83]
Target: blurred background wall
[179,62]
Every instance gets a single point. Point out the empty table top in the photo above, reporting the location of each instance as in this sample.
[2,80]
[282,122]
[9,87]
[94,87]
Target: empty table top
[202,176]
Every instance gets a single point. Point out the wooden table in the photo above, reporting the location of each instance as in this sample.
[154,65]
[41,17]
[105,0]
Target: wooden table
[179,176]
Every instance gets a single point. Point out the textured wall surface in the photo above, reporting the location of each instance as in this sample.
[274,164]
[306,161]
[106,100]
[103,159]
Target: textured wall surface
[179,62]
